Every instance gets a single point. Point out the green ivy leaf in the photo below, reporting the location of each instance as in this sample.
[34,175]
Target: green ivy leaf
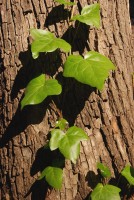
[69,149]
[65,2]
[69,145]
[107,192]
[56,136]
[90,15]
[45,41]
[92,70]
[53,176]
[38,89]
[104,170]
[62,123]
[128,173]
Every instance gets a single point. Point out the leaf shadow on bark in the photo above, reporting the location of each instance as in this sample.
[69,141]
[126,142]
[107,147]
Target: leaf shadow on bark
[38,190]
[57,14]
[131,9]
[126,190]
[92,179]
[77,37]
[73,97]
[70,102]
[46,63]
[119,181]
[44,158]
[22,119]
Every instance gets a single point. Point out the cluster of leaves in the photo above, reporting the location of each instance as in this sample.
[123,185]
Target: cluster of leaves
[68,143]
[92,70]
[107,191]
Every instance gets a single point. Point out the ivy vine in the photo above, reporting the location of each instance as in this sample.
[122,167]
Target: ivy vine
[108,191]
[92,69]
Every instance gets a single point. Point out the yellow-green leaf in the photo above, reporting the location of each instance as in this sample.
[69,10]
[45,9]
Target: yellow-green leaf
[92,70]
[128,173]
[69,145]
[45,41]
[38,89]
[106,192]
[53,176]
[104,170]
[56,136]
[90,15]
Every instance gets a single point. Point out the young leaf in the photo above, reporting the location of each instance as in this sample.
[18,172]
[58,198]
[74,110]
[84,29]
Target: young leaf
[128,173]
[38,89]
[45,41]
[38,34]
[69,145]
[92,70]
[107,192]
[65,2]
[62,123]
[56,136]
[104,170]
[90,15]
[70,149]
[53,176]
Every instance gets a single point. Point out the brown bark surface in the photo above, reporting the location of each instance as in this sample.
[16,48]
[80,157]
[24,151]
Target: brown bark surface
[107,116]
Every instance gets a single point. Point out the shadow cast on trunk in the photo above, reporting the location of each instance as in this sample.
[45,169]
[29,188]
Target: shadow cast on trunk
[31,68]
[77,37]
[44,158]
[72,99]
[57,14]
[22,119]
[38,190]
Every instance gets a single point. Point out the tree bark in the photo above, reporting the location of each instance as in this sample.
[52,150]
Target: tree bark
[107,116]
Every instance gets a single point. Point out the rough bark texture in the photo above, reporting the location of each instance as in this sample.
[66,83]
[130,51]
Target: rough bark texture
[107,116]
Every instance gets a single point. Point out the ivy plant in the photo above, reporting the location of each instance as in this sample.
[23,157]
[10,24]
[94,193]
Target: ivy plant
[45,41]
[105,192]
[68,143]
[90,15]
[104,170]
[92,70]
[128,173]
[38,89]
[53,175]
[61,124]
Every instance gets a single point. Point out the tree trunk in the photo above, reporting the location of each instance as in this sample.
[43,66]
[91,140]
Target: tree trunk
[107,116]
